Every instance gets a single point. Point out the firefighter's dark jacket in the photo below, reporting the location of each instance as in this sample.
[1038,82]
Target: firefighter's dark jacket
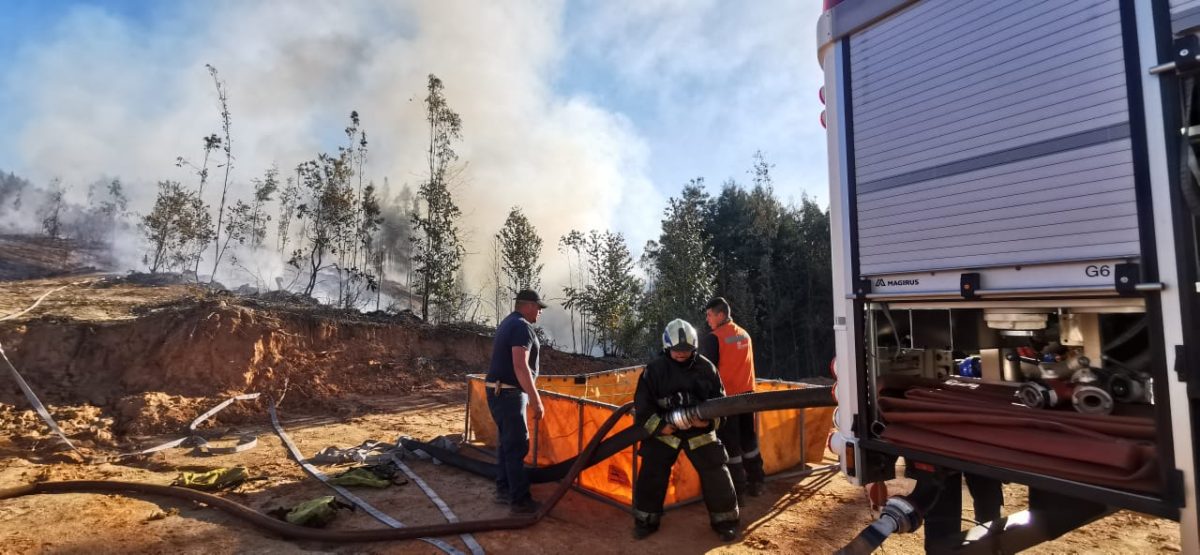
[666,385]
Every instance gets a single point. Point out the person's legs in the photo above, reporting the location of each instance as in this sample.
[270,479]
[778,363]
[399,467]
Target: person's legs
[944,518]
[751,456]
[502,492]
[708,457]
[509,414]
[730,434]
[654,474]
[987,496]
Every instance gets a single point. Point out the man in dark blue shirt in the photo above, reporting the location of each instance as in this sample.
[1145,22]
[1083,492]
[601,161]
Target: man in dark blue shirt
[510,388]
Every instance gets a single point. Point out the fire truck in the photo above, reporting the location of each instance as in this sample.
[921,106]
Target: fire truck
[1014,192]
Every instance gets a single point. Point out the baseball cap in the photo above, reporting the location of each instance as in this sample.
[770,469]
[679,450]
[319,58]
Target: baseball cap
[531,296]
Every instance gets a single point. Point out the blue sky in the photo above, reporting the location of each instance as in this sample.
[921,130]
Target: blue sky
[707,84]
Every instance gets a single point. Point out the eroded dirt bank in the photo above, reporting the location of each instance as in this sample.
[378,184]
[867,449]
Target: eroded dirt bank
[149,367]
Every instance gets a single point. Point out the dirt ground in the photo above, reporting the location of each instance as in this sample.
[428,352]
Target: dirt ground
[815,515]
[124,365]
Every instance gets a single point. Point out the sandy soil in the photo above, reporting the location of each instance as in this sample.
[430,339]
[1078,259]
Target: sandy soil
[815,515]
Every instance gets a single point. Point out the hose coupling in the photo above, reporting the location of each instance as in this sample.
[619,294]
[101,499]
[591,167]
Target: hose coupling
[902,512]
[683,419]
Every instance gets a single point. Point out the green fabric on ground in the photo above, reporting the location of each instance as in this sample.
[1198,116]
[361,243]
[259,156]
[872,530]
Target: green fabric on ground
[360,477]
[215,479]
[315,513]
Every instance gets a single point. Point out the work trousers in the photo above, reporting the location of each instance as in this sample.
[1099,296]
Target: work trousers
[740,438]
[944,519]
[508,411]
[658,455]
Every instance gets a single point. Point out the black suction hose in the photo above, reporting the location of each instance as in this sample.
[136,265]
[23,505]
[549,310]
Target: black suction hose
[291,531]
[553,473]
[716,408]
[901,514]
[753,402]
[797,398]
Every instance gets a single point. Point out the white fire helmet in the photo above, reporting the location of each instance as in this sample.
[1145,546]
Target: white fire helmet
[680,336]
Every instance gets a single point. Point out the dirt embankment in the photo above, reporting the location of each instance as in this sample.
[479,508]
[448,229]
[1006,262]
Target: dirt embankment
[157,370]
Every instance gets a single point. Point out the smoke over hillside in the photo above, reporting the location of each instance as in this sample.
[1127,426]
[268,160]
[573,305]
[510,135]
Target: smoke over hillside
[110,98]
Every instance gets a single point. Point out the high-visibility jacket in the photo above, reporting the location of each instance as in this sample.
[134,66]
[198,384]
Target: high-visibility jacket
[735,359]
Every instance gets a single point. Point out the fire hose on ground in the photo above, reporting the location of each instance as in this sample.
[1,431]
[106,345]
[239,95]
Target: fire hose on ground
[900,515]
[727,406]
[716,408]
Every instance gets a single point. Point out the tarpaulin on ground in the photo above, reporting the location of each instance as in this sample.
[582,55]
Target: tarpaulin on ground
[576,405]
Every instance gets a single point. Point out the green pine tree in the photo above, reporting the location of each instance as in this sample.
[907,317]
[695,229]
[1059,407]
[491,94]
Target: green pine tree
[521,251]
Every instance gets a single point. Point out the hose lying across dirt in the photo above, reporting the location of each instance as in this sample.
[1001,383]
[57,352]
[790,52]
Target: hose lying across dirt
[797,398]
[294,532]
[716,408]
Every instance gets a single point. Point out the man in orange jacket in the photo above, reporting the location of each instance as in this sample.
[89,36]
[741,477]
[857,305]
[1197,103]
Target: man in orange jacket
[728,346]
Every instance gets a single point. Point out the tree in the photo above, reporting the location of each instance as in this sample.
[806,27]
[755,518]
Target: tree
[611,297]
[52,212]
[11,187]
[572,245]
[210,142]
[495,279]
[115,205]
[681,263]
[337,223]
[177,226]
[107,208]
[226,147]
[327,208]
[772,262]
[521,249]
[368,209]
[355,244]
[358,278]
[803,272]
[396,235]
[248,222]
[732,239]
[766,215]
[439,249]
[288,200]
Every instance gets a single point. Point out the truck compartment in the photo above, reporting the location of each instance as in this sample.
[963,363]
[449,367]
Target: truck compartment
[1062,389]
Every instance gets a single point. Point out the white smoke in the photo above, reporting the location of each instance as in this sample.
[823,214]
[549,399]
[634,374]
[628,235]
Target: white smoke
[108,95]
[105,96]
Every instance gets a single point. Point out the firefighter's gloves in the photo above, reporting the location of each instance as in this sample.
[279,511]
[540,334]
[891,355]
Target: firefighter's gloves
[686,418]
[679,400]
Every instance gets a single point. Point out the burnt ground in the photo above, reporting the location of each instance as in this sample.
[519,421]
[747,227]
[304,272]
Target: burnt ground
[33,257]
[124,365]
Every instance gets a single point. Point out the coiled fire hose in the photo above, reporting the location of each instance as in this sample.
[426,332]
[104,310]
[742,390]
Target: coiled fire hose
[728,406]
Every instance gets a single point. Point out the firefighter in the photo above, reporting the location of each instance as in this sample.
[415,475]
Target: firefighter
[728,346]
[680,378]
